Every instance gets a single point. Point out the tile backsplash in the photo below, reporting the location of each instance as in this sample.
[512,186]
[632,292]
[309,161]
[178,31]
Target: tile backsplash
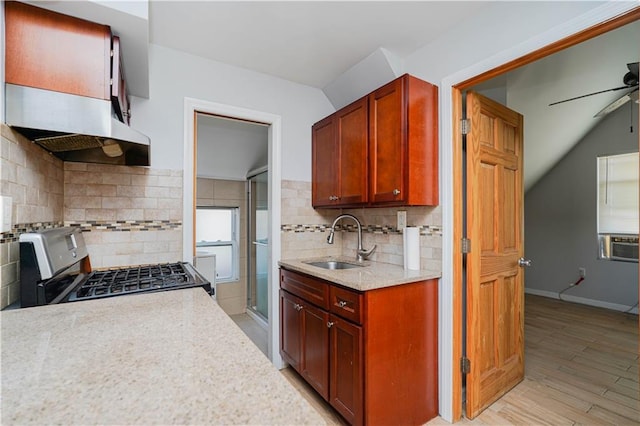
[304,230]
[133,216]
[129,215]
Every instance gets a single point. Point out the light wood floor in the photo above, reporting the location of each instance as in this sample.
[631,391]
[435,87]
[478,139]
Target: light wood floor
[581,368]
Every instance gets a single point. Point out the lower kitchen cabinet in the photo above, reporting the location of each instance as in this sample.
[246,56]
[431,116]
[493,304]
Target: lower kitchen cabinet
[372,355]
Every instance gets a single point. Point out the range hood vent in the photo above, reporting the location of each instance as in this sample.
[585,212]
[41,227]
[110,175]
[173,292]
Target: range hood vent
[74,128]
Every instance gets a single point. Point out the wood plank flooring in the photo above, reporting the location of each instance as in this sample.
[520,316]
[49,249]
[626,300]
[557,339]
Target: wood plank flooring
[581,368]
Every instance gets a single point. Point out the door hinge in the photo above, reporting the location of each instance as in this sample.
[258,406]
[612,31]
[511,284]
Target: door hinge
[465,126]
[466,245]
[465,365]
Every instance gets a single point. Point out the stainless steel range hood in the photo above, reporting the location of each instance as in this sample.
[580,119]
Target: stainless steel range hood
[74,128]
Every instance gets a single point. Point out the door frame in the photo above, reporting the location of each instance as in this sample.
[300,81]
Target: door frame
[191,108]
[599,21]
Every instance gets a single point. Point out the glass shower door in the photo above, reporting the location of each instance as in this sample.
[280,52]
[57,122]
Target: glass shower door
[258,268]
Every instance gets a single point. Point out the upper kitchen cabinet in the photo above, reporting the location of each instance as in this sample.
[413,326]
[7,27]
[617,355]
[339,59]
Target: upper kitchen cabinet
[381,150]
[51,51]
[403,143]
[339,146]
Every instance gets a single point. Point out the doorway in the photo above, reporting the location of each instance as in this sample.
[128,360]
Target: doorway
[274,124]
[459,309]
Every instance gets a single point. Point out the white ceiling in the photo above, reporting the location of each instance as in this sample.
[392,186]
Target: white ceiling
[310,43]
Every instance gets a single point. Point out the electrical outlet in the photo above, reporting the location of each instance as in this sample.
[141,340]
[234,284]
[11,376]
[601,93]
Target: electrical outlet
[402,219]
[582,272]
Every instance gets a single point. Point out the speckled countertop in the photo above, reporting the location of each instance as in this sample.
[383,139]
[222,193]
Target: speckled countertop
[371,276]
[160,358]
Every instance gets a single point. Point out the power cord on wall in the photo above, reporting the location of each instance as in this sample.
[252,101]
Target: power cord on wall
[570,286]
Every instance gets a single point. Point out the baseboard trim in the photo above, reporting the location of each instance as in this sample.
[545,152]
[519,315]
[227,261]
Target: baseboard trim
[582,300]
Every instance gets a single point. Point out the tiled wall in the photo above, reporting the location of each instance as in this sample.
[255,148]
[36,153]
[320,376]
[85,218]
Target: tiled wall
[305,230]
[231,296]
[34,181]
[129,215]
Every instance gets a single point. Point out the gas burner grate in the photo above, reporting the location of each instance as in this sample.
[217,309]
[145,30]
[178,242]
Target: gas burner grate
[132,280]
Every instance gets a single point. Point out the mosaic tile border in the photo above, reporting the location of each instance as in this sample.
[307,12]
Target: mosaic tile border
[115,226]
[427,230]
[126,225]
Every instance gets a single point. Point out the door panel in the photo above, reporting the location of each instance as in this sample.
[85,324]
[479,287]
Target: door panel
[387,142]
[495,281]
[324,152]
[315,352]
[353,143]
[290,344]
[346,385]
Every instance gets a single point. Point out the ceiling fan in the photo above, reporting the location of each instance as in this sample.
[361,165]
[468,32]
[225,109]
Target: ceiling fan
[630,81]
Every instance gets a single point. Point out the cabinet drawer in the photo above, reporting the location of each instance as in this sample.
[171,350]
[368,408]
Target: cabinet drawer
[308,288]
[346,303]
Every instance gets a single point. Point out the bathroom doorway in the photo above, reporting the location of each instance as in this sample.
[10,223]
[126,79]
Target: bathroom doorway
[258,244]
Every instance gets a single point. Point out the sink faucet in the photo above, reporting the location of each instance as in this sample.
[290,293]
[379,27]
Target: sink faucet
[361,254]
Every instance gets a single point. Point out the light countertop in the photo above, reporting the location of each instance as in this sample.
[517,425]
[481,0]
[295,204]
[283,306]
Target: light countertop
[371,276]
[171,357]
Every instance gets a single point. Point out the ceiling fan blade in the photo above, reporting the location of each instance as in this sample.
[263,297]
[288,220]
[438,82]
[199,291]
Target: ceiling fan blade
[633,95]
[589,94]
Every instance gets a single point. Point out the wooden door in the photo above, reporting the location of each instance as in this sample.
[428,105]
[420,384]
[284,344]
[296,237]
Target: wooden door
[388,143]
[290,330]
[346,369]
[352,134]
[495,281]
[315,349]
[324,163]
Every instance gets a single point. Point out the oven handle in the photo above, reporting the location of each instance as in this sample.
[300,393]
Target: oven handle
[79,278]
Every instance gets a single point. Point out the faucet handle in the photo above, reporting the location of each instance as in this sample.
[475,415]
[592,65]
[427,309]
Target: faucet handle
[364,254]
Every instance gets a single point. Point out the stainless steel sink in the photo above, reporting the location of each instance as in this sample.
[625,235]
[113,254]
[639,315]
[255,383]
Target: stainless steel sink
[334,264]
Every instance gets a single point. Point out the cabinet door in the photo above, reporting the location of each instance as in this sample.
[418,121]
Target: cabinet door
[315,349]
[290,330]
[324,163]
[352,134]
[388,143]
[346,369]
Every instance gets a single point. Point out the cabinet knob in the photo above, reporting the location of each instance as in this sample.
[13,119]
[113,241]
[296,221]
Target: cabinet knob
[342,303]
[396,192]
[330,324]
[298,307]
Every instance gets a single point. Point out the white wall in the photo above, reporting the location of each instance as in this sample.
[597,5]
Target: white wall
[175,75]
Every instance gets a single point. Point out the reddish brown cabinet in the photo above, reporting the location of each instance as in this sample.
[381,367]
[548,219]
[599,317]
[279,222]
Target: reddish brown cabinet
[51,51]
[372,355]
[339,147]
[381,150]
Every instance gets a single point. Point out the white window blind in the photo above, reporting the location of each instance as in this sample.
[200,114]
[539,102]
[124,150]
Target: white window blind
[618,194]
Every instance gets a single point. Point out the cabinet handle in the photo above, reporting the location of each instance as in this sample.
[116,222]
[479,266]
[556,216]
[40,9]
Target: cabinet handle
[396,192]
[342,303]
[298,307]
[330,324]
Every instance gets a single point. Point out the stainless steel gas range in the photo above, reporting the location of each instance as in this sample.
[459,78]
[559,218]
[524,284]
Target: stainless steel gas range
[55,268]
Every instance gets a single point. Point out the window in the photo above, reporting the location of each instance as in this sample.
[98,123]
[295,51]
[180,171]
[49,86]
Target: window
[618,194]
[217,231]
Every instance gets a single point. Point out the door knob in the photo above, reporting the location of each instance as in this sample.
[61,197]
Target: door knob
[396,192]
[524,262]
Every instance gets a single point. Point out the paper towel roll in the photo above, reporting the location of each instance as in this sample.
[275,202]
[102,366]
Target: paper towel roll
[411,240]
